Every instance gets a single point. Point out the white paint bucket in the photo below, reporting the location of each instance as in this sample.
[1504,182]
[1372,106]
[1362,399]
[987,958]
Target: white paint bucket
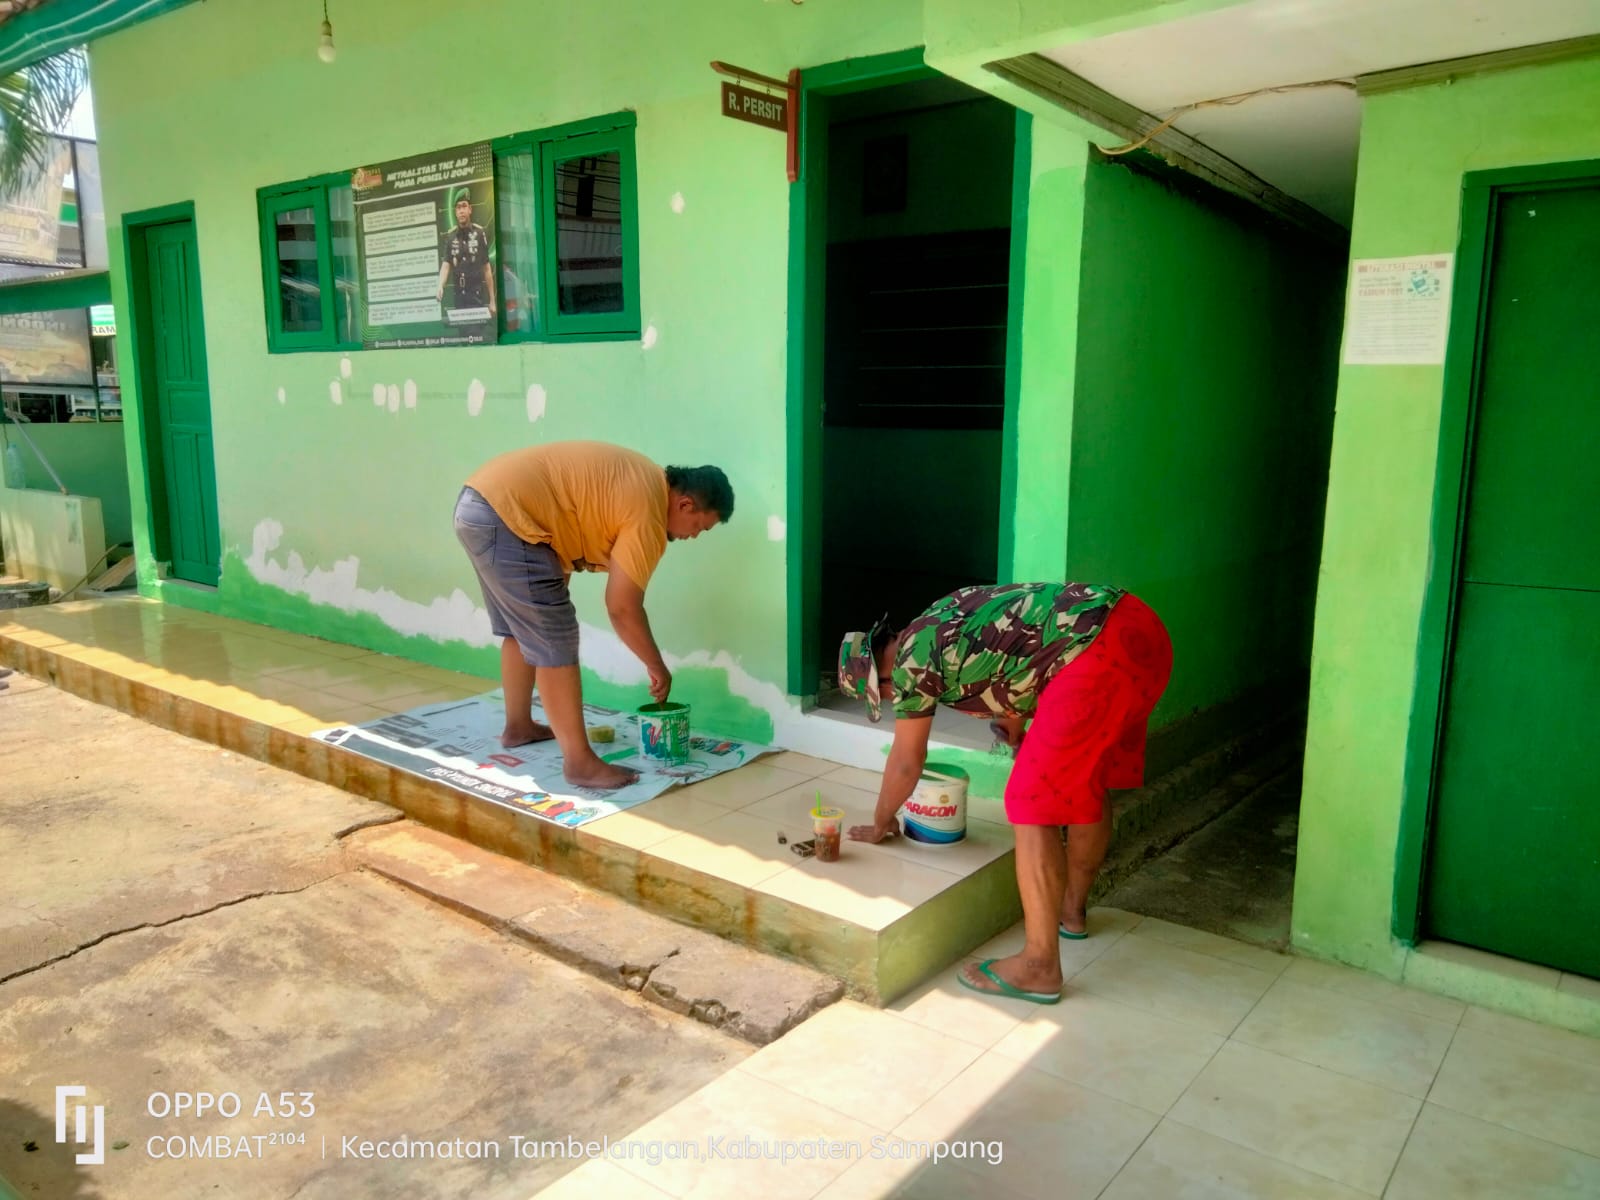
[936,813]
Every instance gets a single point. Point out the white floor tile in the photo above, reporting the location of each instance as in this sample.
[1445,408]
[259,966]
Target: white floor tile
[1461,1158]
[1179,1163]
[1330,1125]
[1392,1048]
[870,1065]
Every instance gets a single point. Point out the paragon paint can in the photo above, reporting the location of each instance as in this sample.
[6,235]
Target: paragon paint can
[664,732]
[936,813]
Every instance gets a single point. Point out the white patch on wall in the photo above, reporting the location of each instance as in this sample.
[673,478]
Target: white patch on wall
[335,392]
[380,395]
[649,338]
[450,618]
[475,397]
[676,202]
[456,618]
[394,397]
[777,529]
[283,396]
[345,367]
[411,393]
[536,401]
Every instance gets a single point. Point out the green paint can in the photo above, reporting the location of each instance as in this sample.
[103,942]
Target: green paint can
[664,732]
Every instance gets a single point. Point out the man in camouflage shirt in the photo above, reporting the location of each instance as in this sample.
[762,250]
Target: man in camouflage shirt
[1086,664]
[989,651]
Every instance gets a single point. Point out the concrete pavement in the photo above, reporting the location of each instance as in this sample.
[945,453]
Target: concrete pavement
[178,921]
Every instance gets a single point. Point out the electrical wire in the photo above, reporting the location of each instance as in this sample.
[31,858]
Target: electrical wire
[1223,102]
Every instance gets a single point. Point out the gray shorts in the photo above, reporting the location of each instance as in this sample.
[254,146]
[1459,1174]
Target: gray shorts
[524,586]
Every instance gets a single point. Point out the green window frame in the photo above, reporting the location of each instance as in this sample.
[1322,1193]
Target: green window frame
[547,150]
[272,202]
[527,165]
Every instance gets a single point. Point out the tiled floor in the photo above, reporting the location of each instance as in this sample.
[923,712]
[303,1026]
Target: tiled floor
[727,827]
[1179,1065]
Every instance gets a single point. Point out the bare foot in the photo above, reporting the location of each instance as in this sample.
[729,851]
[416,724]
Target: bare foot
[1024,974]
[599,774]
[521,735]
[1074,920]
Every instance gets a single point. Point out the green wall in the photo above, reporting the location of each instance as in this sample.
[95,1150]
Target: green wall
[1207,351]
[1041,449]
[91,459]
[334,510]
[1415,147]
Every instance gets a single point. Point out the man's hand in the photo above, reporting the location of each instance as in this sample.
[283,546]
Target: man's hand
[1009,730]
[875,833]
[660,683]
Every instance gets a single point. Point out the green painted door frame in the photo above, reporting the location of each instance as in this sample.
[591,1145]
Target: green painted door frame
[1462,379]
[201,561]
[808,244]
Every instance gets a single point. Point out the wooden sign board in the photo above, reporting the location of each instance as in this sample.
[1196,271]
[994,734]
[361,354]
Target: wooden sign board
[759,108]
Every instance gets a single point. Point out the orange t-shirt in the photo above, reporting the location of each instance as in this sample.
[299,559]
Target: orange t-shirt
[594,504]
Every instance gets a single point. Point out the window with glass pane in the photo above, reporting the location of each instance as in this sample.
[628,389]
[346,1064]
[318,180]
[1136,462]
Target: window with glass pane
[519,242]
[589,259]
[346,279]
[299,284]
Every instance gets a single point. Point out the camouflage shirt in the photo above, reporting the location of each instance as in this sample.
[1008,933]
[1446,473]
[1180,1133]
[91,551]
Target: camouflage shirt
[989,651]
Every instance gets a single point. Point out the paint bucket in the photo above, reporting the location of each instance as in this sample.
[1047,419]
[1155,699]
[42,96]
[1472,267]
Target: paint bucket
[664,732]
[936,813]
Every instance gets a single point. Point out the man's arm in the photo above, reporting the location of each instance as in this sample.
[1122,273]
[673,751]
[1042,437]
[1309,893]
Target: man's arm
[907,756]
[444,274]
[488,280]
[625,607]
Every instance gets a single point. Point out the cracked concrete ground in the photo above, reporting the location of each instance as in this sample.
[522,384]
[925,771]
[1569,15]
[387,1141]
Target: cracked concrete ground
[175,919]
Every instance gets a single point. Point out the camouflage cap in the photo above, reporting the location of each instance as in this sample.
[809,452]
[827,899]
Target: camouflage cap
[858,671]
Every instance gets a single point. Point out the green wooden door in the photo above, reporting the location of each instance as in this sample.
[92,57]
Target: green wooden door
[1514,863]
[181,413]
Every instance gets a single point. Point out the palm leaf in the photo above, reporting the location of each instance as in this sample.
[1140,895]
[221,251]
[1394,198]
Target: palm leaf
[34,102]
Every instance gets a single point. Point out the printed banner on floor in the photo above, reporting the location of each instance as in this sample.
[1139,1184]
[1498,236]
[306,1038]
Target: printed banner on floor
[457,742]
[424,232]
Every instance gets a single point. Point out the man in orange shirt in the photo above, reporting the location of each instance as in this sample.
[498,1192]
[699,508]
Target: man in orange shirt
[531,517]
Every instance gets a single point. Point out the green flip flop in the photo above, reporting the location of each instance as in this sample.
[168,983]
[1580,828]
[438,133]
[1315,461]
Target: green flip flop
[1069,935]
[1004,988]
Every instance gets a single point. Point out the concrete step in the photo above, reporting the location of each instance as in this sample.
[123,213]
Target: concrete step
[858,923]
[752,996]
[880,923]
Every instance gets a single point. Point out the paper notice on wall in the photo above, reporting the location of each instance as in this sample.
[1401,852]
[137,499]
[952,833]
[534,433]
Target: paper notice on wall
[1399,310]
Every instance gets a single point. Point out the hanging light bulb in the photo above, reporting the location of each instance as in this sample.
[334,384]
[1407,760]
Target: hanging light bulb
[325,49]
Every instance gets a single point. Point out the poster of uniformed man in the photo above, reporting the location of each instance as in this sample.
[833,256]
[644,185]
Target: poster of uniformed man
[425,236]
[465,272]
